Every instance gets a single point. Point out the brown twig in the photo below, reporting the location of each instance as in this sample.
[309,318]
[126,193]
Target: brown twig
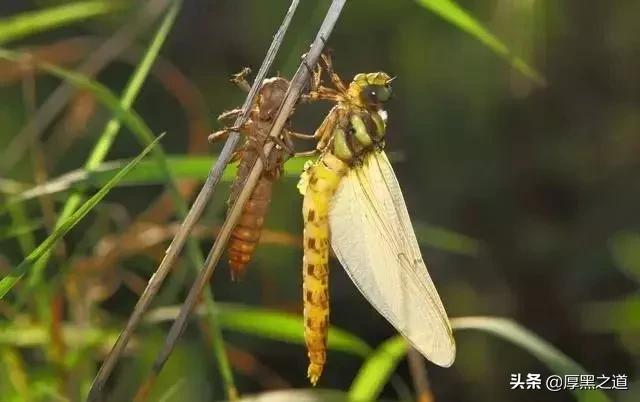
[58,346]
[299,81]
[419,376]
[172,254]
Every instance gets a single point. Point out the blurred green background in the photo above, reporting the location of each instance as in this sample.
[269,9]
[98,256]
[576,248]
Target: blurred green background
[524,196]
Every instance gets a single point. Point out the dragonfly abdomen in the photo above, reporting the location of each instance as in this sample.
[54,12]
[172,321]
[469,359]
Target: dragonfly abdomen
[323,179]
[246,234]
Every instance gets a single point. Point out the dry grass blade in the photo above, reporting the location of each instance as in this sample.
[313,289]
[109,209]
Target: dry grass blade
[418,371]
[298,82]
[173,251]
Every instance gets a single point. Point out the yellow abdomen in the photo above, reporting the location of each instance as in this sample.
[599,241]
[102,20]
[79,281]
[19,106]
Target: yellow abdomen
[318,185]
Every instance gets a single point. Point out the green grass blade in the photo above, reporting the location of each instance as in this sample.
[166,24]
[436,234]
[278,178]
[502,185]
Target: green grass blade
[15,230]
[197,168]
[16,273]
[129,117]
[377,369]
[284,327]
[456,15]
[270,324]
[14,367]
[625,249]
[144,134]
[133,87]
[181,167]
[447,240]
[514,333]
[110,131]
[172,392]
[20,220]
[23,333]
[32,22]
[618,316]
[261,322]
[194,167]
[9,187]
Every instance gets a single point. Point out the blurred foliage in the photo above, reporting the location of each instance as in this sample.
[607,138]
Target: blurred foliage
[374,373]
[554,359]
[29,23]
[10,280]
[625,248]
[524,196]
[456,15]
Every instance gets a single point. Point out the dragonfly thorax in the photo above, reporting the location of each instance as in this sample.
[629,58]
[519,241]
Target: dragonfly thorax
[362,132]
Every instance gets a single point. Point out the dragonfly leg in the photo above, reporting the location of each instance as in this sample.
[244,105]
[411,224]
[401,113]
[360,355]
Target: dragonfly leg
[316,90]
[284,143]
[322,93]
[221,134]
[302,136]
[316,74]
[335,78]
[237,155]
[306,153]
[230,114]
[317,77]
[218,135]
[289,146]
[324,133]
[240,79]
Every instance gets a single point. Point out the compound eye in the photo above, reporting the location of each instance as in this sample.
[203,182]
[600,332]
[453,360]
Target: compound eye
[376,94]
[370,94]
[384,93]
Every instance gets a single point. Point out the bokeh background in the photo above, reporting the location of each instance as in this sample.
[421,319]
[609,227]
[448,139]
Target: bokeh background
[525,196]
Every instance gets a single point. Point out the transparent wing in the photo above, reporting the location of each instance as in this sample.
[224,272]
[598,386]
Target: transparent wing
[373,238]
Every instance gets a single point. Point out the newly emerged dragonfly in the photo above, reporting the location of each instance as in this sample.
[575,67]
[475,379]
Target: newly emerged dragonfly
[246,234]
[353,202]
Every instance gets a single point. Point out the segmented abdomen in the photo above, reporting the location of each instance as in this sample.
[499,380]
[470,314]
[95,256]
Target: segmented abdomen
[246,234]
[321,181]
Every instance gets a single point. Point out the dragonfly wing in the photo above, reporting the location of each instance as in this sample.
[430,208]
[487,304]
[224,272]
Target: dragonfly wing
[373,238]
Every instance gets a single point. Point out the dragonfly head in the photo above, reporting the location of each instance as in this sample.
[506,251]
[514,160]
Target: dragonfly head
[371,90]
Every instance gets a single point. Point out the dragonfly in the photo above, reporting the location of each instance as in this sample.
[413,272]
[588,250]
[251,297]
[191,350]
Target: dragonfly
[247,232]
[353,203]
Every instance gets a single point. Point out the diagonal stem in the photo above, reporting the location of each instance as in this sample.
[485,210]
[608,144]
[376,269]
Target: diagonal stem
[291,97]
[178,242]
[419,376]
